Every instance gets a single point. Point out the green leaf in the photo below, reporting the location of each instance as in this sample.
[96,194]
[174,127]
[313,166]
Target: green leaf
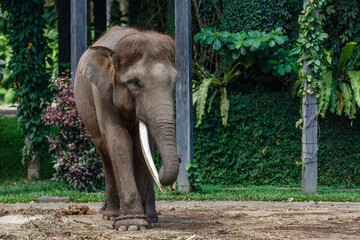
[256,43]
[209,40]
[325,89]
[345,55]
[281,70]
[201,99]
[272,61]
[346,93]
[294,67]
[266,38]
[239,44]
[288,68]
[271,43]
[236,54]
[279,40]
[355,84]
[224,106]
[212,99]
[243,51]
[295,51]
[217,44]
[198,36]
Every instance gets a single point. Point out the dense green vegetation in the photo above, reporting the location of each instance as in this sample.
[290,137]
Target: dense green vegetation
[245,15]
[26,191]
[30,73]
[11,143]
[261,145]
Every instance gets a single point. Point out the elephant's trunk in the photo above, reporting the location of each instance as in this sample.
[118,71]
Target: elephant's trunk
[164,136]
[160,120]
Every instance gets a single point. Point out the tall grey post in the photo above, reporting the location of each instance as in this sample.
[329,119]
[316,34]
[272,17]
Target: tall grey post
[309,135]
[78,30]
[184,123]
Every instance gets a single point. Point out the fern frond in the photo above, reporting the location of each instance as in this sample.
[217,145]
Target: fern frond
[344,56]
[224,106]
[346,93]
[212,99]
[334,98]
[201,96]
[355,84]
[325,89]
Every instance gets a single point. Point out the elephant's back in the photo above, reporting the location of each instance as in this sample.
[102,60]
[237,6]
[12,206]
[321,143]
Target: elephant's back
[113,36]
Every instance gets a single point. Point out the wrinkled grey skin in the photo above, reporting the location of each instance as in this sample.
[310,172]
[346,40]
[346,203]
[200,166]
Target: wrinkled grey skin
[127,76]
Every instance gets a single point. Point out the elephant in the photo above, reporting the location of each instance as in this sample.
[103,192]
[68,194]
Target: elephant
[124,88]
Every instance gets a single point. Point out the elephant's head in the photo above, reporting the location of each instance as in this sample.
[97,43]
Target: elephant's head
[138,75]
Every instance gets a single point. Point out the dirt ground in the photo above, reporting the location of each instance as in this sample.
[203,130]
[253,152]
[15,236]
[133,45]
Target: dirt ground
[188,220]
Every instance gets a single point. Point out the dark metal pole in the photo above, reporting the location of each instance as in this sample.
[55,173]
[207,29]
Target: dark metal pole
[64,34]
[184,122]
[78,28]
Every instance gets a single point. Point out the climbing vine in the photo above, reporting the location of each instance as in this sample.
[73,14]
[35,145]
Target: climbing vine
[29,57]
[335,81]
[309,46]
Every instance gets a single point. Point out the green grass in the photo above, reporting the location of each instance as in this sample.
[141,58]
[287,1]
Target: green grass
[20,191]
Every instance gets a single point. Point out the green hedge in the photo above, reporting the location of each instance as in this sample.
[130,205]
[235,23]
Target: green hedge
[11,143]
[265,15]
[261,144]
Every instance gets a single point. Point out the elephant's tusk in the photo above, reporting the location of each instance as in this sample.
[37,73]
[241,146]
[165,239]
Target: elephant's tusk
[144,140]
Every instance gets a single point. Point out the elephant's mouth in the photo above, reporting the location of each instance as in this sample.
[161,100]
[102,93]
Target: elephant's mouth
[144,140]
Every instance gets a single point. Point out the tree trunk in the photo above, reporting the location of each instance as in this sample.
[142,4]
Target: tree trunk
[309,135]
[33,168]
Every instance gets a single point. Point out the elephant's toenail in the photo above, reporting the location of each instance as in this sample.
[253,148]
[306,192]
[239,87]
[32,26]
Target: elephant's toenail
[152,225]
[142,228]
[133,228]
[122,228]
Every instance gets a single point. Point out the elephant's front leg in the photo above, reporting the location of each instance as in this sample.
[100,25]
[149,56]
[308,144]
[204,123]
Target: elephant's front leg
[119,144]
[143,179]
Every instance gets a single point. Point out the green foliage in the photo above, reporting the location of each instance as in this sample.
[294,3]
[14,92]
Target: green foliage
[11,141]
[309,47]
[262,146]
[249,15]
[342,22]
[235,50]
[6,95]
[30,55]
[339,88]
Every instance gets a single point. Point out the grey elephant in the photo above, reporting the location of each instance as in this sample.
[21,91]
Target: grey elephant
[124,89]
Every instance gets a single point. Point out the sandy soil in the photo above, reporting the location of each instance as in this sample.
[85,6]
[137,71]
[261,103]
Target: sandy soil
[190,220]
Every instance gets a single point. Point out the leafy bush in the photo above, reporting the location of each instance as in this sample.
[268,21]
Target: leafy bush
[261,145]
[72,149]
[249,15]
[339,89]
[234,50]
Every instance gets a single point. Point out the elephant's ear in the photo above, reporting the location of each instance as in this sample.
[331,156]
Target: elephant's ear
[99,68]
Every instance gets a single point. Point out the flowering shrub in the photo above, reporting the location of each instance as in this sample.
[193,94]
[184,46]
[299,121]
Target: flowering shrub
[75,158]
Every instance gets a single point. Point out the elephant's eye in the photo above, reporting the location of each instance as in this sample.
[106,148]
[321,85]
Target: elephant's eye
[134,84]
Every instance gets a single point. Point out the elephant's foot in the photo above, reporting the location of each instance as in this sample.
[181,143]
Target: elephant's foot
[131,223]
[111,213]
[151,215]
